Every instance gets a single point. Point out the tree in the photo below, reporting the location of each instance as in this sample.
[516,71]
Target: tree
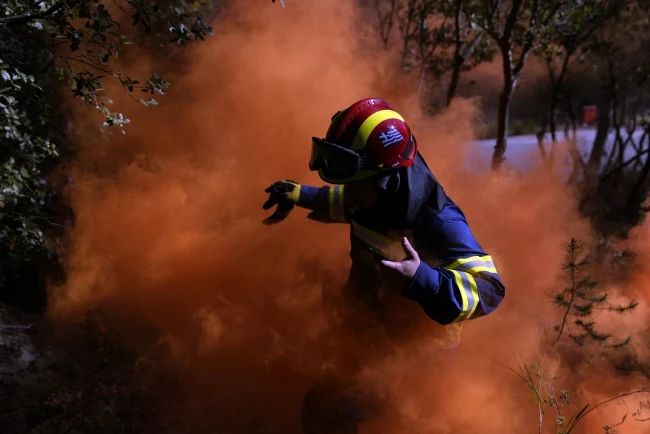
[616,172]
[579,301]
[386,19]
[83,37]
[43,45]
[436,38]
[516,27]
[559,46]
[424,32]
[470,47]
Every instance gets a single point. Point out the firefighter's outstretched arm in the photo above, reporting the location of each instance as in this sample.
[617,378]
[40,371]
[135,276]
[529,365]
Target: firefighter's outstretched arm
[326,203]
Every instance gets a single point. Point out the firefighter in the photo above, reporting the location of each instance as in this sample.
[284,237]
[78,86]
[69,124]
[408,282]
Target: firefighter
[417,269]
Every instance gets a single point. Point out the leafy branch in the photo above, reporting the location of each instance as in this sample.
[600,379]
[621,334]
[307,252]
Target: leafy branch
[84,36]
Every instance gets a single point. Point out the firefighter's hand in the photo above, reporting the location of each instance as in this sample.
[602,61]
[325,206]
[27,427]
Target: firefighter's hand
[285,195]
[409,266]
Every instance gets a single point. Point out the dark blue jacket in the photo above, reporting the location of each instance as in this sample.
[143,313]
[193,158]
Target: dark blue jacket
[456,280]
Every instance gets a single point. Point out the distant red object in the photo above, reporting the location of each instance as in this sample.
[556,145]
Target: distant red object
[589,114]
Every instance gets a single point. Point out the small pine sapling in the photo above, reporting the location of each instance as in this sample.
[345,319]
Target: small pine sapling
[580,299]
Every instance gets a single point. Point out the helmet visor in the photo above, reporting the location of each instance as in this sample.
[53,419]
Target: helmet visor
[333,160]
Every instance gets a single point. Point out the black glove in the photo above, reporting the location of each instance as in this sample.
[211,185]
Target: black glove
[286,195]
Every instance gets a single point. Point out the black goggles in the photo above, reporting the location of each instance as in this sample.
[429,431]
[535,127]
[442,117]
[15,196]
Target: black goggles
[337,161]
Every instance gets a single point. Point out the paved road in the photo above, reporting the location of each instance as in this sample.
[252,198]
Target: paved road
[522,152]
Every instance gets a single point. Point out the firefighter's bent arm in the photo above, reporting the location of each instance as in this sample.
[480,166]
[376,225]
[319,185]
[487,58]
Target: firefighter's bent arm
[450,295]
[467,284]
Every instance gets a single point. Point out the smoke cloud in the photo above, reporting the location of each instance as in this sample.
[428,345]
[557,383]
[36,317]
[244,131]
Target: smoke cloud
[168,236]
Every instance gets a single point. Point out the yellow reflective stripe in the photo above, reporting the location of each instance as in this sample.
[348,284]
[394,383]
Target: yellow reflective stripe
[463,294]
[294,194]
[468,294]
[462,261]
[336,203]
[369,124]
[481,268]
[474,264]
[332,203]
[474,289]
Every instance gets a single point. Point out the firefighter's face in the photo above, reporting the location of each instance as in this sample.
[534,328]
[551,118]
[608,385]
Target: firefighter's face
[361,194]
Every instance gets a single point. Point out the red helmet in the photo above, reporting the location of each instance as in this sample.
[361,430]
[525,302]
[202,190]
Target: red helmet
[365,139]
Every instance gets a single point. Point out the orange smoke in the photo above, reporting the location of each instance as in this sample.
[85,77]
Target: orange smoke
[168,234]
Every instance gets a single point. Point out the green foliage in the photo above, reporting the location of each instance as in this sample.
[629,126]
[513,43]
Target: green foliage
[436,37]
[577,22]
[43,45]
[84,38]
[434,32]
[25,197]
[516,27]
[579,301]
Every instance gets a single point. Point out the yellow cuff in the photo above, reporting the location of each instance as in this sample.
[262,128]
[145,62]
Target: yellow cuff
[294,195]
[336,207]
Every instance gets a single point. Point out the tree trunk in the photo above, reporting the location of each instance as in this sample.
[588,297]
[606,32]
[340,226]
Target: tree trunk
[458,59]
[637,195]
[455,79]
[598,148]
[552,116]
[503,116]
[540,138]
[568,98]
[578,163]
